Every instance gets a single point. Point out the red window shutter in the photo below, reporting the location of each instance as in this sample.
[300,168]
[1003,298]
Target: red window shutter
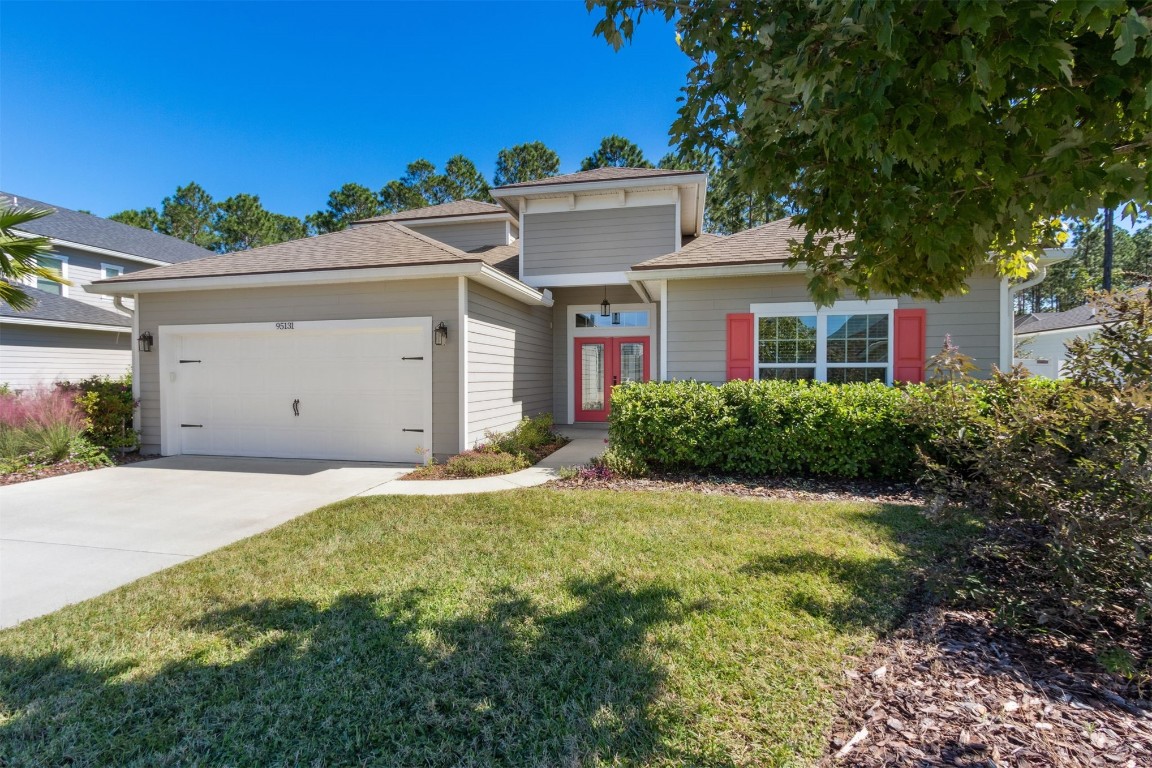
[910,344]
[741,339]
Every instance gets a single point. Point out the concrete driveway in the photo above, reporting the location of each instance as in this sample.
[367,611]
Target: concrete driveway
[66,539]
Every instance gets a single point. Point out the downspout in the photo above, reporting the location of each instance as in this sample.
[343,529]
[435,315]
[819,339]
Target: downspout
[1008,336]
[118,302]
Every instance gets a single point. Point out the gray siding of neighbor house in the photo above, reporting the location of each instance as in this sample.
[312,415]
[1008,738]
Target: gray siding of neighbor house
[351,301]
[697,327]
[509,361]
[84,268]
[466,235]
[32,356]
[564,299]
[608,240]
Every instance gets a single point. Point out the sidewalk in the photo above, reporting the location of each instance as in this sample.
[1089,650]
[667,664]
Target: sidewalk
[586,444]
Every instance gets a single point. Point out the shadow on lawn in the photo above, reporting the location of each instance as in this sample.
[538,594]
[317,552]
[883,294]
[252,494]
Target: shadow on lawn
[370,680]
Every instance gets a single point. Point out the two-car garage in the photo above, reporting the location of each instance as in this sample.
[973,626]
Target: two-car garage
[357,390]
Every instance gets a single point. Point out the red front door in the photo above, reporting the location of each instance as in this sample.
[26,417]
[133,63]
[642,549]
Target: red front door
[601,363]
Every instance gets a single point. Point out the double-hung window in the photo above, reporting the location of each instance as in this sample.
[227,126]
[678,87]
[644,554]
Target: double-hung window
[851,341]
[52,263]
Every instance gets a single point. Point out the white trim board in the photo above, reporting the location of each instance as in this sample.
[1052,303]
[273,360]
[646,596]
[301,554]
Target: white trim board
[574,280]
[821,365]
[63,324]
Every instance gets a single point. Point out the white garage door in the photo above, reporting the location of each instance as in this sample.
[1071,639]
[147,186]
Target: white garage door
[355,390]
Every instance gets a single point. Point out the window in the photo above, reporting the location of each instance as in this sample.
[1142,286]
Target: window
[849,342]
[55,264]
[626,319]
[107,271]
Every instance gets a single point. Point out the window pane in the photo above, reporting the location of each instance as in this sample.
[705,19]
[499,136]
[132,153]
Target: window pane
[631,362]
[858,338]
[49,287]
[787,374]
[629,319]
[787,339]
[112,272]
[592,377]
[851,375]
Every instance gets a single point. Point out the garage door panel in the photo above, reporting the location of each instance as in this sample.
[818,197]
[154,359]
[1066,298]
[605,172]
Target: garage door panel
[356,396]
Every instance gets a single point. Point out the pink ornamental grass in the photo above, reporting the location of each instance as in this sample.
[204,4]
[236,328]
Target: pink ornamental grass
[41,407]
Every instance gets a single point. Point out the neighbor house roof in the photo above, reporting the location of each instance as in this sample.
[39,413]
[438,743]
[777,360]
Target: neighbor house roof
[386,244]
[1055,321]
[765,244]
[87,229]
[60,309]
[442,211]
[505,258]
[599,174]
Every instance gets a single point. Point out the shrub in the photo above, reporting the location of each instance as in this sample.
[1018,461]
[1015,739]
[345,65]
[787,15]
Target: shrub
[482,463]
[528,438]
[40,422]
[109,406]
[764,428]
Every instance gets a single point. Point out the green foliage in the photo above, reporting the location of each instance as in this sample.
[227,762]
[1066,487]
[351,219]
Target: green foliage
[934,132]
[144,218]
[481,464]
[18,256]
[350,203]
[187,214]
[764,428]
[525,162]
[950,364]
[241,222]
[615,151]
[527,438]
[108,405]
[1118,358]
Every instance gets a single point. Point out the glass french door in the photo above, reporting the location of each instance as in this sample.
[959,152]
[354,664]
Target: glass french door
[602,363]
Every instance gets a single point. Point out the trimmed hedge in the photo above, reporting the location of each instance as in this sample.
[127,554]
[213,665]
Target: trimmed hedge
[765,428]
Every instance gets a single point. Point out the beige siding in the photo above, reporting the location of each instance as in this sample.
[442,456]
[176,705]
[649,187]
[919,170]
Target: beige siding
[564,299]
[509,361]
[31,355]
[350,301]
[697,311]
[607,240]
[465,235]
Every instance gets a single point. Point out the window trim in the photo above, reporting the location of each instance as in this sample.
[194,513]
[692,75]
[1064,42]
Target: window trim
[821,366]
[610,330]
[104,267]
[63,271]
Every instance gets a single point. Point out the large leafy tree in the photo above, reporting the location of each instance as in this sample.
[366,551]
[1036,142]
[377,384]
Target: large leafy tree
[350,203]
[188,214]
[241,222]
[19,254]
[934,132]
[525,162]
[615,151]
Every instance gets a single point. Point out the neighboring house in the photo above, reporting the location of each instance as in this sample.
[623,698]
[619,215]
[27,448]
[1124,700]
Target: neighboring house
[72,334]
[1041,338]
[413,334]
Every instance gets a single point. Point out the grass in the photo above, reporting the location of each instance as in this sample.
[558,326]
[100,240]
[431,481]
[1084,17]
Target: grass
[537,627]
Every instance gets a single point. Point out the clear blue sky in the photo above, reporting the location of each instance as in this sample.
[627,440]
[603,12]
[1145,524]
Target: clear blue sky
[106,106]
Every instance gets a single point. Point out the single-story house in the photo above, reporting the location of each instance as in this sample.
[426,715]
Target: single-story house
[415,333]
[71,334]
[1042,338]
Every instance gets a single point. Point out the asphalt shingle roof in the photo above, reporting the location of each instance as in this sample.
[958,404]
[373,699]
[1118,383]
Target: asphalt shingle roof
[87,229]
[505,258]
[442,211]
[386,244]
[61,309]
[599,174]
[766,244]
[1055,321]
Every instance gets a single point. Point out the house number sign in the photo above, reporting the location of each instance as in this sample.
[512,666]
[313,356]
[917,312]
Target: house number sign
[285,326]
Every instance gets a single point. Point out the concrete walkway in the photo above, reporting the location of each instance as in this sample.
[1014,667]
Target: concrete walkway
[65,539]
[586,444]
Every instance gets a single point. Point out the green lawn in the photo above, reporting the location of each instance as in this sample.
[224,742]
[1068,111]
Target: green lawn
[536,627]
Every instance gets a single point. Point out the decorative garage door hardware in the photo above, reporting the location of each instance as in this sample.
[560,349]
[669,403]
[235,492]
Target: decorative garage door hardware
[296,406]
[192,425]
[411,430]
[413,358]
[190,361]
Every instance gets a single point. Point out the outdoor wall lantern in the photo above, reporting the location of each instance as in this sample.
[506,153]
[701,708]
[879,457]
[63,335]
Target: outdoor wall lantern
[145,342]
[440,334]
[605,307]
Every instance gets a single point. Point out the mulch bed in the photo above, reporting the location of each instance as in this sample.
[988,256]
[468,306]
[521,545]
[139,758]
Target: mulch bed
[950,688]
[801,489]
[40,472]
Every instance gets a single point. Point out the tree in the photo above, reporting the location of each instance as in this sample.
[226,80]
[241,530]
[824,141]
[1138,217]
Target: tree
[351,202]
[396,196]
[18,256]
[615,152]
[461,181]
[421,185]
[933,132]
[729,208]
[187,214]
[145,218]
[241,222]
[525,162]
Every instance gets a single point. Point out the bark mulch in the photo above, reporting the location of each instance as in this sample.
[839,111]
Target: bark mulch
[41,471]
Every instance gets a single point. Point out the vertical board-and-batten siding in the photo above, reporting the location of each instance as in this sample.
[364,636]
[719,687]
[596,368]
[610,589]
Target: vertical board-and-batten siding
[33,356]
[437,299]
[509,362]
[604,240]
[467,235]
[697,311]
